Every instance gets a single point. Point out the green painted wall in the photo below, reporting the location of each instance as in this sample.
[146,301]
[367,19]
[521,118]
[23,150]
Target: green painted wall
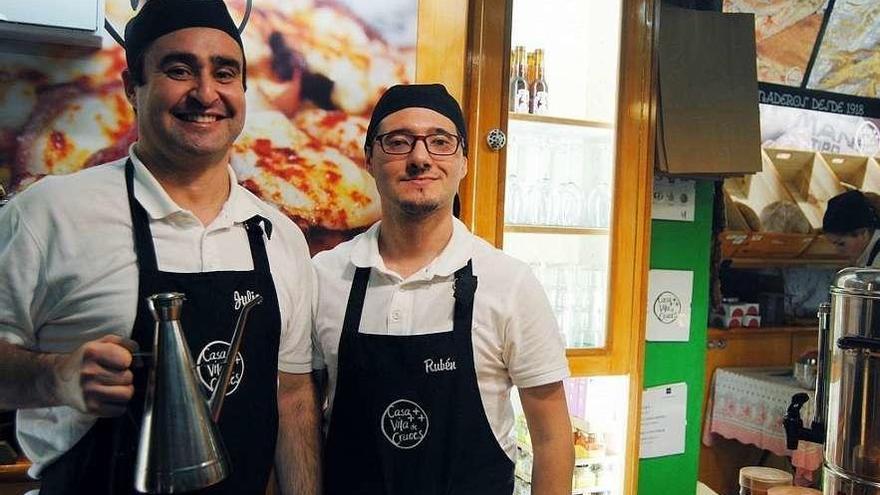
[681,246]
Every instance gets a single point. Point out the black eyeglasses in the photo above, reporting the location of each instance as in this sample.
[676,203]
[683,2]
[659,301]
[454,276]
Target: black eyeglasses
[402,143]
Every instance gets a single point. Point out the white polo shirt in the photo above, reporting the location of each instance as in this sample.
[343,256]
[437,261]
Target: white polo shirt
[68,273]
[516,338]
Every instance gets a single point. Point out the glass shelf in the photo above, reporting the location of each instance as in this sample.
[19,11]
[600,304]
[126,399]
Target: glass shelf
[545,119]
[554,229]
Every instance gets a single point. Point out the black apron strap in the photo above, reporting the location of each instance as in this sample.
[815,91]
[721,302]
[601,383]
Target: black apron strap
[256,226]
[464,288]
[143,237]
[352,322]
[356,296]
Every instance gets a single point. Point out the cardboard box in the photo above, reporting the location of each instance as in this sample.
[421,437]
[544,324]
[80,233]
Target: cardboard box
[751,196]
[855,172]
[721,321]
[755,194]
[738,309]
[751,321]
[708,119]
[808,179]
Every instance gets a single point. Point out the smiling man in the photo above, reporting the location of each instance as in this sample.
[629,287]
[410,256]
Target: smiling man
[79,254]
[424,329]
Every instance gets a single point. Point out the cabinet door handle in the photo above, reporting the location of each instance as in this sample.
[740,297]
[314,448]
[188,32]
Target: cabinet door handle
[716,344]
[496,139]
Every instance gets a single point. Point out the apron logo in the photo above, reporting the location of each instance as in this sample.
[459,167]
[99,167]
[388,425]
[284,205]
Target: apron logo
[210,364]
[404,424]
[240,300]
[444,364]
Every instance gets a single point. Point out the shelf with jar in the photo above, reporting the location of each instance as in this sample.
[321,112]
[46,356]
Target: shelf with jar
[598,432]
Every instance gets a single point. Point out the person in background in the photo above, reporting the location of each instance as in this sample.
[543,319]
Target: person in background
[80,254]
[424,329]
[850,223]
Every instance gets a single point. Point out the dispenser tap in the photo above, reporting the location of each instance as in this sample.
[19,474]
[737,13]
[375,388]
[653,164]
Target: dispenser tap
[794,425]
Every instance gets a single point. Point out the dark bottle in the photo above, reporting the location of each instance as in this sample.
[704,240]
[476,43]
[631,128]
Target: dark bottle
[519,88]
[539,91]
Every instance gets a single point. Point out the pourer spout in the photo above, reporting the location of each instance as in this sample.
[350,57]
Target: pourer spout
[216,401]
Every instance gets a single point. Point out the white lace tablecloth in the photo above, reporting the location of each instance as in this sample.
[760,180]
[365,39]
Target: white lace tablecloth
[748,404]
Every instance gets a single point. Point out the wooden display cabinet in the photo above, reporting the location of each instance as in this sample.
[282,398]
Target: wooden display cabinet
[629,128]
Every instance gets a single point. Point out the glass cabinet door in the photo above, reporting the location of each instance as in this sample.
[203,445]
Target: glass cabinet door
[562,105]
[569,83]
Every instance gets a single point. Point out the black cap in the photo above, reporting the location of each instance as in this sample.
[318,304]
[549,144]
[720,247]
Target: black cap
[431,96]
[848,212]
[160,17]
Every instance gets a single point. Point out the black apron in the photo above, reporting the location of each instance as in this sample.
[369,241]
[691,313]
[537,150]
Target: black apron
[102,462]
[407,416]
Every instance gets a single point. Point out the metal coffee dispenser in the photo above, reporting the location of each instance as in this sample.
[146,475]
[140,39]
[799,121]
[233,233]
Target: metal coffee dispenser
[847,412]
[180,449]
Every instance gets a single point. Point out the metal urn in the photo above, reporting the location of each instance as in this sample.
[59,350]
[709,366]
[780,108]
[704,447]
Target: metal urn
[180,449]
[847,412]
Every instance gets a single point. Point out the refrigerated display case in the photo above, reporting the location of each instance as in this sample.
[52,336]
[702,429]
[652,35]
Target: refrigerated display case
[567,190]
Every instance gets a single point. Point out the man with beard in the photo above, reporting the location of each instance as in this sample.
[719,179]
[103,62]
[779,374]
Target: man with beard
[80,255]
[424,328]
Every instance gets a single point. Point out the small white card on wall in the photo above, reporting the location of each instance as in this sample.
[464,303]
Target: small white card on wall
[674,199]
[664,418]
[669,305]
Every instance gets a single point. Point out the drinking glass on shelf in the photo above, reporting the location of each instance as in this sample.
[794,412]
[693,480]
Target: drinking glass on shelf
[598,209]
[513,191]
[537,202]
[513,199]
[569,204]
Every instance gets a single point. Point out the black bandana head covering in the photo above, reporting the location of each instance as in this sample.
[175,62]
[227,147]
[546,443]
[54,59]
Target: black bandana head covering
[848,212]
[160,17]
[431,96]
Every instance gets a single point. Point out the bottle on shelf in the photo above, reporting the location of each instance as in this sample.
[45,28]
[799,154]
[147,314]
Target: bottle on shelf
[531,69]
[539,90]
[519,88]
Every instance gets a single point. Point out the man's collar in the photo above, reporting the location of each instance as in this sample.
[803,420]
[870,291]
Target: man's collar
[158,204]
[365,252]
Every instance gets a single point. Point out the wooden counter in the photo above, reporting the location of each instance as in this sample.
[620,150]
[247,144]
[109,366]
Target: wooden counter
[14,479]
[15,472]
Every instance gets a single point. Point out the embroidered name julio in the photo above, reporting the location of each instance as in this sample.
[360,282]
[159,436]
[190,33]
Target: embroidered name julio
[242,299]
[444,364]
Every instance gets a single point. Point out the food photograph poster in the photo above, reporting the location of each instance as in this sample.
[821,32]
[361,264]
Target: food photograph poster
[819,73]
[817,44]
[315,69]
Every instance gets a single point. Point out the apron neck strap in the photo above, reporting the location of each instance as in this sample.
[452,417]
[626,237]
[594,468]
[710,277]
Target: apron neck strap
[352,321]
[143,236]
[463,289]
[256,227]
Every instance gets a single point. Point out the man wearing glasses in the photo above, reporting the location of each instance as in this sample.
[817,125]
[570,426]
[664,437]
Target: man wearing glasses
[424,328]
